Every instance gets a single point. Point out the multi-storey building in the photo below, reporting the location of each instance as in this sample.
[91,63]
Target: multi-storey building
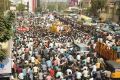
[111,10]
[32,5]
[53,4]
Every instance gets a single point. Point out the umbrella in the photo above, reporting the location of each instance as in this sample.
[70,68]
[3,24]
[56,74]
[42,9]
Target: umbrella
[23,29]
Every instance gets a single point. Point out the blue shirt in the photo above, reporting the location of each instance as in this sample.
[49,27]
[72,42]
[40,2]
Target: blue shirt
[24,72]
[49,63]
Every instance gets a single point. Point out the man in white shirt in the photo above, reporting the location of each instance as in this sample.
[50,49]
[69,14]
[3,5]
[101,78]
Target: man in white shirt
[85,74]
[51,45]
[32,59]
[78,57]
[85,68]
[21,76]
[78,75]
[70,57]
[94,68]
[35,69]
[69,71]
[23,56]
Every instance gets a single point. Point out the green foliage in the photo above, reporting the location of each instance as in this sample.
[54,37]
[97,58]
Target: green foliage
[4,5]
[97,5]
[39,9]
[6,26]
[3,54]
[57,6]
[9,16]
[6,30]
[62,6]
[20,7]
[51,7]
[80,22]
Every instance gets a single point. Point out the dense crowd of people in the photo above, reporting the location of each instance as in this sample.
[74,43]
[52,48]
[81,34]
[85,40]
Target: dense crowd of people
[41,55]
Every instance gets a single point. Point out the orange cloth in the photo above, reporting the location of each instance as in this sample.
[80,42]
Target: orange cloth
[37,61]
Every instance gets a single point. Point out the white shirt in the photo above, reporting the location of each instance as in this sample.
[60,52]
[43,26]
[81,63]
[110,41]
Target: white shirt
[11,77]
[23,56]
[88,59]
[23,49]
[78,57]
[40,75]
[78,75]
[33,59]
[85,67]
[19,51]
[85,73]
[62,50]
[30,52]
[69,71]
[70,57]
[91,79]
[94,68]
[21,76]
[35,69]
[51,45]
[94,46]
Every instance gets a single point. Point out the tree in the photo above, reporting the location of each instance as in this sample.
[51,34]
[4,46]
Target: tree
[20,7]
[97,6]
[51,7]
[5,30]
[62,6]
[39,9]
[4,5]
[3,54]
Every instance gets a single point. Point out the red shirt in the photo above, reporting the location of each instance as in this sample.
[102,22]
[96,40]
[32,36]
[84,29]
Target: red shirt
[52,72]
[15,67]
[19,70]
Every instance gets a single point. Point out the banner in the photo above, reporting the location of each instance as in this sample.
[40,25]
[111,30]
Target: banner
[6,65]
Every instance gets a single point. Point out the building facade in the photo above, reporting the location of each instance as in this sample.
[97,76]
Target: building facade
[111,11]
[86,3]
[53,5]
[32,5]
